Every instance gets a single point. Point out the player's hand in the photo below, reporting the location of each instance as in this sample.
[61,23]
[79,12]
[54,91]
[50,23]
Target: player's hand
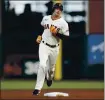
[39,38]
[53,30]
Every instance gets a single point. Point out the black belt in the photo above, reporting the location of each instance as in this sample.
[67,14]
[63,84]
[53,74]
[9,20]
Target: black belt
[52,46]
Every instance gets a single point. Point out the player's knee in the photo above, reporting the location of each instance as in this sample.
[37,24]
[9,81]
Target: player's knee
[43,66]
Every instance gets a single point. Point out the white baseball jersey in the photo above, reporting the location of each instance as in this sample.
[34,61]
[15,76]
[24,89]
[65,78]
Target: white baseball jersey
[59,23]
[48,55]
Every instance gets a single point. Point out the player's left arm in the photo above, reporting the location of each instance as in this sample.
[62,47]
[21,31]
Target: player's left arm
[62,36]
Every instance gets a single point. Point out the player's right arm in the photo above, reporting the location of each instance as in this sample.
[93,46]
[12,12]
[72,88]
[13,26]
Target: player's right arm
[39,37]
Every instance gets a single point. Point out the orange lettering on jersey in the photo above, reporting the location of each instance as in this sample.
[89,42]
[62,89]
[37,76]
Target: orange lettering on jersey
[58,29]
[52,25]
[55,26]
[46,26]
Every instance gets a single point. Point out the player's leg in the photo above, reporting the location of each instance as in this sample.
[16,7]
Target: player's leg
[43,57]
[48,64]
[52,57]
[50,72]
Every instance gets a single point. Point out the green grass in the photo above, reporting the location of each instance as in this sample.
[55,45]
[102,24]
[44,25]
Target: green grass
[29,84]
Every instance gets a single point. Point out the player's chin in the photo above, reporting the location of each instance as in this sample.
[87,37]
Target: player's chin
[57,14]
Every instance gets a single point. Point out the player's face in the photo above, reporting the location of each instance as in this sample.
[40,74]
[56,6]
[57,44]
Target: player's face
[57,12]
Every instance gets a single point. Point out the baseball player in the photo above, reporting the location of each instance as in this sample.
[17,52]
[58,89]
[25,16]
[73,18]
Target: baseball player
[55,28]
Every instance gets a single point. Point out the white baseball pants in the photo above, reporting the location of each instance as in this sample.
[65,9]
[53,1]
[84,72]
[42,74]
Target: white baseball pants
[47,57]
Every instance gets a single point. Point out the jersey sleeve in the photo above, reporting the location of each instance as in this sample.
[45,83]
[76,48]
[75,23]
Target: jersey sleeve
[65,28]
[42,22]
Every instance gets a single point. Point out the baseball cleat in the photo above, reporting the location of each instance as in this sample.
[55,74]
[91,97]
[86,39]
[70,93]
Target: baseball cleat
[49,83]
[50,78]
[36,92]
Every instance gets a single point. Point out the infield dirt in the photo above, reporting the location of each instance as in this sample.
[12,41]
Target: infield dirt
[73,94]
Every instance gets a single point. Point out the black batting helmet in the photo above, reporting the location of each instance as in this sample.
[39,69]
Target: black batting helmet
[57,5]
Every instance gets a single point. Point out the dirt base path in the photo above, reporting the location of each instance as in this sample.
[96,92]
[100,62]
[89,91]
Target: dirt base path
[73,94]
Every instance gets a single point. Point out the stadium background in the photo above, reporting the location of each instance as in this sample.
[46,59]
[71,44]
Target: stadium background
[81,58]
